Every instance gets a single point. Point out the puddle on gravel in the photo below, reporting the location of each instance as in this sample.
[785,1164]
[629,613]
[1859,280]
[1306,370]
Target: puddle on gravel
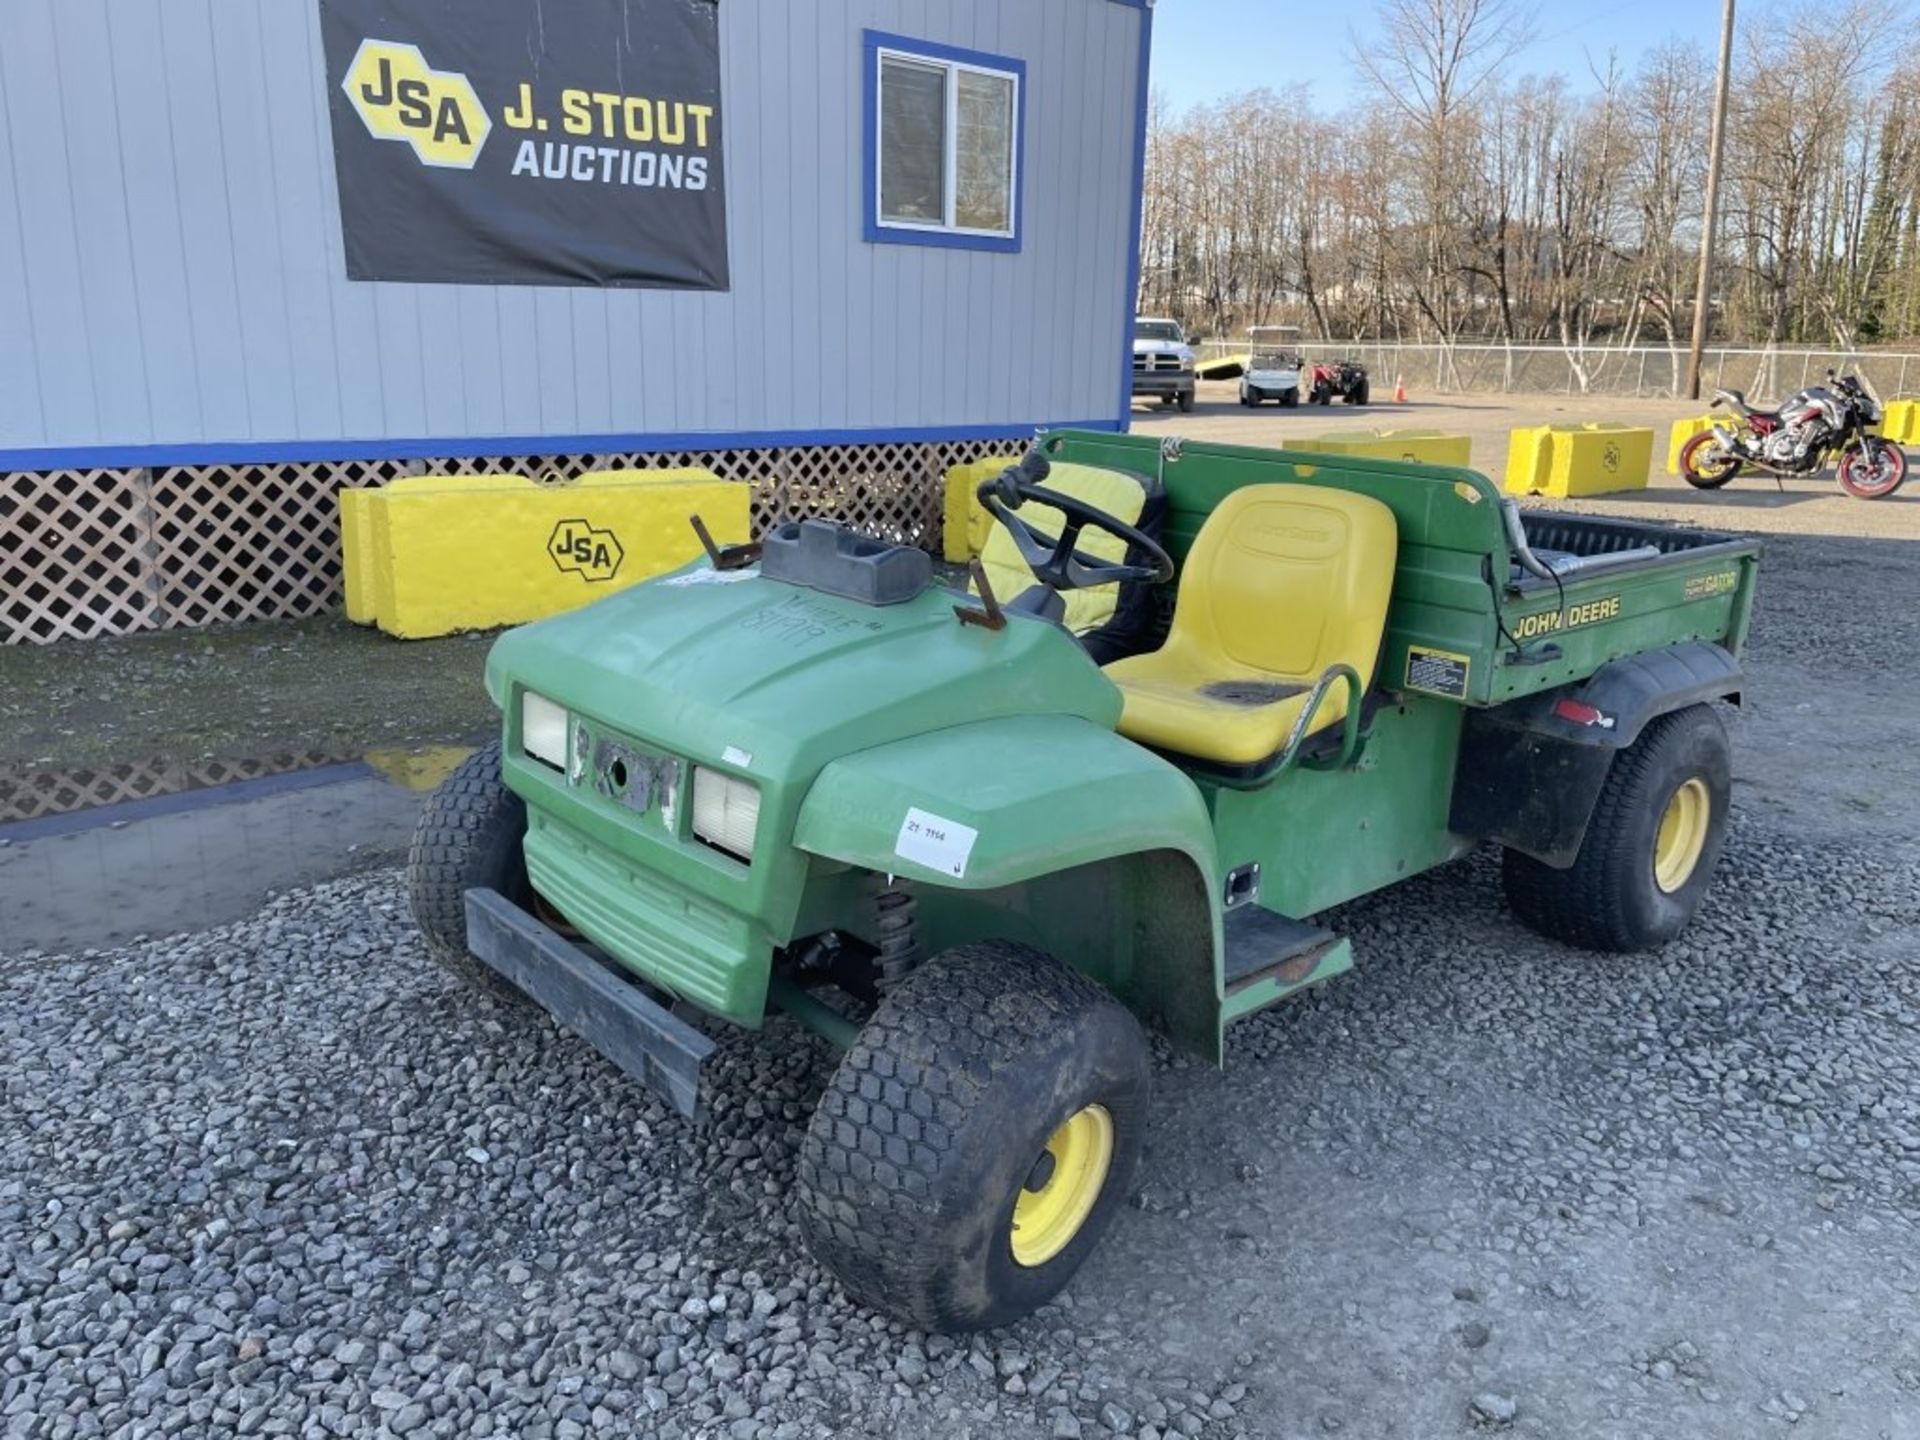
[31,792]
[93,858]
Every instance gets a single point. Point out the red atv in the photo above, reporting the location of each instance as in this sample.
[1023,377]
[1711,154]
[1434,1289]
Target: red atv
[1345,378]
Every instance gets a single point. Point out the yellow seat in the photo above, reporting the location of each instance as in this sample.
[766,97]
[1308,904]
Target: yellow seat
[1282,582]
[1117,492]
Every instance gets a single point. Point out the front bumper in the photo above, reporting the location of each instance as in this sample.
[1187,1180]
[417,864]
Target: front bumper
[668,934]
[1162,382]
[592,999]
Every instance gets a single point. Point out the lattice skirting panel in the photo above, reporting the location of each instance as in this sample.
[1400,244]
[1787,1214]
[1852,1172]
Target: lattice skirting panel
[110,552]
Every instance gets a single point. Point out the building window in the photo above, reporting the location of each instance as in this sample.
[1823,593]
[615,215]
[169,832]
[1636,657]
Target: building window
[943,145]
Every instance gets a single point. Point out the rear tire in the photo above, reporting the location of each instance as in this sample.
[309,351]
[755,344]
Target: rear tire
[993,1085]
[1708,473]
[468,836]
[1650,848]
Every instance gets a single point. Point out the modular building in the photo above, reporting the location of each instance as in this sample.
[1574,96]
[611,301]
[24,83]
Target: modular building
[259,250]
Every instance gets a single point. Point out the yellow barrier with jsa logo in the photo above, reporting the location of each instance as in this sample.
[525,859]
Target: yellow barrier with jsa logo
[357,509]
[966,523]
[1428,447]
[1565,460]
[430,559]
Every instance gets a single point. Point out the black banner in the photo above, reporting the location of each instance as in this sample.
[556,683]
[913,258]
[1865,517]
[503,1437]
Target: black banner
[529,142]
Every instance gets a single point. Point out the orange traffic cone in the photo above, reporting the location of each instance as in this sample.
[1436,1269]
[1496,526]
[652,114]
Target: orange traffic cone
[1399,389]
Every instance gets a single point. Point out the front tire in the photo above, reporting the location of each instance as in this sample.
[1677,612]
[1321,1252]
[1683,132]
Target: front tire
[1248,395]
[976,1140]
[1359,394]
[1650,848]
[1290,397]
[1875,478]
[468,836]
[1185,401]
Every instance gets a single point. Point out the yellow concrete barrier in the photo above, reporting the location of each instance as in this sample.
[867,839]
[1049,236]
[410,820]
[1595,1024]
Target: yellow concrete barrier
[1591,459]
[1683,431]
[1901,422]
[357,508]
[435,559]
[965,521]
[1429,447]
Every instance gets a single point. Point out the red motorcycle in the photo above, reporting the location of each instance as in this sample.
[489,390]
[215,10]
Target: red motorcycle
[1797,438]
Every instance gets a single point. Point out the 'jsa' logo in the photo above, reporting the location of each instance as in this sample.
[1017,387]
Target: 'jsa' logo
[401,97]
[578,547]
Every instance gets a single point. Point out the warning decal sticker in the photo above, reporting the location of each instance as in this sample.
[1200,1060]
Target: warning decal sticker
[1438,672]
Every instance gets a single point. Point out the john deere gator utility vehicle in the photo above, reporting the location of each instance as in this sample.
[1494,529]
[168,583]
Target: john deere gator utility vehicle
[927,825]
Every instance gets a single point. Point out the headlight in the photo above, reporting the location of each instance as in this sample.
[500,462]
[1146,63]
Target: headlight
[725,811]
[543,730]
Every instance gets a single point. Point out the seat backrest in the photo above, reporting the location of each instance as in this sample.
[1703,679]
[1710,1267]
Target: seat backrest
[1287,580]
[1120,493]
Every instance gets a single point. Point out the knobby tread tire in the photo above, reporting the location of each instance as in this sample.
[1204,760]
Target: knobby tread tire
[1608,899]
[468,835]
[916,1152]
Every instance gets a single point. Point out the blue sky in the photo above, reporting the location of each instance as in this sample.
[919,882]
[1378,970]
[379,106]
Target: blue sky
[1204,49]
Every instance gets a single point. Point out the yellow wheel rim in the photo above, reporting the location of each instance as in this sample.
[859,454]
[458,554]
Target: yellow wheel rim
[1682,835]
[1061,1188]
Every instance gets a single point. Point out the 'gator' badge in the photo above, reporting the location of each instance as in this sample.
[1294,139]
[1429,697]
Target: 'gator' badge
[578,548]
[1721,582]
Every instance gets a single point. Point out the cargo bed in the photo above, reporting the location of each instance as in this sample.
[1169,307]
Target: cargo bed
[1615,588]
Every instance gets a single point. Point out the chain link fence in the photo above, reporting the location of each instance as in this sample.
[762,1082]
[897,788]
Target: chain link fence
[1653,372]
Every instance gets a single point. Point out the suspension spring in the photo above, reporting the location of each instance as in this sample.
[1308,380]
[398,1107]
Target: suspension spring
[899,940]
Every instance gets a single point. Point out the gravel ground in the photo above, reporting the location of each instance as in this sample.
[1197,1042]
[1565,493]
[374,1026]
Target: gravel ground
[284,1178]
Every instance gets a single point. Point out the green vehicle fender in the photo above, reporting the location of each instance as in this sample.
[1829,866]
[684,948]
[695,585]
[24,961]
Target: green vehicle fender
[1048,829]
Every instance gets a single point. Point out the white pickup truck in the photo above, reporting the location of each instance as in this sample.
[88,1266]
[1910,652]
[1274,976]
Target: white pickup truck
[1162,361]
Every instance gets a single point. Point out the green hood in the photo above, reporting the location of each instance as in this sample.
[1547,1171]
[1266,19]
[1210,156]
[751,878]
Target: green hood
[793,677]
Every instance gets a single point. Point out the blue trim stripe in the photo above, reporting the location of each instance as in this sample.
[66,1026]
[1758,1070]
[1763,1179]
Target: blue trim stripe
[461,447]
[872,43]
[1132,297]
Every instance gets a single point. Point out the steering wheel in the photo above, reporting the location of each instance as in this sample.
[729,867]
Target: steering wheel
[1056,561]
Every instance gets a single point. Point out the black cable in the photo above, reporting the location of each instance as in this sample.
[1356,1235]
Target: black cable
[1500,621]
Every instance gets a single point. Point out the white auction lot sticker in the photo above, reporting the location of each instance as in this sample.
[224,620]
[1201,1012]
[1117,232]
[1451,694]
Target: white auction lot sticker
[935,842]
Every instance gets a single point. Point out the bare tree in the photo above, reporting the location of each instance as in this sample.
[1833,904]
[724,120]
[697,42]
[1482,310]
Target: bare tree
[1433,60]
[1464,201]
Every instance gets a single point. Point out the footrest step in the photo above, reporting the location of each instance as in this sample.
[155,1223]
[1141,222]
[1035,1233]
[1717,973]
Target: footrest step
[1260,942]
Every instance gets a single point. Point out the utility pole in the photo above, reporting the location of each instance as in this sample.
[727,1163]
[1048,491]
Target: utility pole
[1715,146]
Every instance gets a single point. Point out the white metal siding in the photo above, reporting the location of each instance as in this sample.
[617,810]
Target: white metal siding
[171,269]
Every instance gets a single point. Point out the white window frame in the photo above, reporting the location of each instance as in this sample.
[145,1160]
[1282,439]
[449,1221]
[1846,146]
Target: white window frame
[950,159]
